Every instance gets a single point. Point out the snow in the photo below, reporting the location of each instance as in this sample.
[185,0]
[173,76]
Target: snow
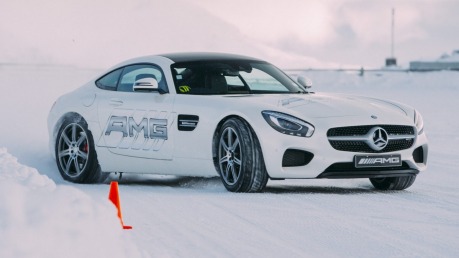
[40,219]
[43,216]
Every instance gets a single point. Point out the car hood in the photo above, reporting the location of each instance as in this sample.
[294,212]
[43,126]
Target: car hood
[338,105]
[323,105]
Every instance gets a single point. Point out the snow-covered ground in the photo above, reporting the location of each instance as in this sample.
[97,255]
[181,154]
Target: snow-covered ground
[40,219]
[43,216]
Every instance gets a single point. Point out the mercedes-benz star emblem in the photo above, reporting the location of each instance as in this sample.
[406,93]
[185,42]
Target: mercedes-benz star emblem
[379,138]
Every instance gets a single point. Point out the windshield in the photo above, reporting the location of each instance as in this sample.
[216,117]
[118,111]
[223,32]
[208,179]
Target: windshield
[231,77]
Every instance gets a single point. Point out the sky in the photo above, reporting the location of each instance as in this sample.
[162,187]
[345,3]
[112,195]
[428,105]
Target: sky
[289,33]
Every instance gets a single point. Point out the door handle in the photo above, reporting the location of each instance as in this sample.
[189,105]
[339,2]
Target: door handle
[116,102]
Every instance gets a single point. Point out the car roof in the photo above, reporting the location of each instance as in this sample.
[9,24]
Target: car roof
[168,59]
[206,56]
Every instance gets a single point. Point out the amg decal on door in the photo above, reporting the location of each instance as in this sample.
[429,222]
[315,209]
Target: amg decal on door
[134,133]
[152,128]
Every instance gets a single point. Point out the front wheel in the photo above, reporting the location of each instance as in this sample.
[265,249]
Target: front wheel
[393,183]
[76,156]
[239,158]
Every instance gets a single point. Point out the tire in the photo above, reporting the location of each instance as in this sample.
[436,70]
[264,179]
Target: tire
[393,183]
[239,159]
[76,156]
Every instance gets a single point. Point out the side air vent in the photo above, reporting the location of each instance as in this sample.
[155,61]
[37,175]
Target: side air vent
[296,158]
[418,155]
[187,122]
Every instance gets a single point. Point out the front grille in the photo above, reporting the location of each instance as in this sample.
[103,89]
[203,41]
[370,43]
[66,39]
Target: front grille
[361,146]
[363,129]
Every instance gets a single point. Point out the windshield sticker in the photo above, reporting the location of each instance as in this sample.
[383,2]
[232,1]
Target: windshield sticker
[184,88]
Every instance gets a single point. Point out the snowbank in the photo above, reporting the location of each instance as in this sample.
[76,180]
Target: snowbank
[40,219]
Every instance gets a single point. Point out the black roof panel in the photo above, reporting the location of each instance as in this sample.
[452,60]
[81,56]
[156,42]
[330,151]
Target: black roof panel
[205,56]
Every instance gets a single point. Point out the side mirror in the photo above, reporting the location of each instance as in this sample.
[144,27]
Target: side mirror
[146,84]
[305,82]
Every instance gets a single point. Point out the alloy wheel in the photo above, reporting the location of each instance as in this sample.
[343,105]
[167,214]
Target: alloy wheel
[73,150]
[230,156]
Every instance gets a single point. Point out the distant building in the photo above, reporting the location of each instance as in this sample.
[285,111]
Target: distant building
[391,61]
[445,62]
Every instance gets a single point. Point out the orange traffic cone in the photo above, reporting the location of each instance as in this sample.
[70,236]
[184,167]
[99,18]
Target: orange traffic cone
[114,197]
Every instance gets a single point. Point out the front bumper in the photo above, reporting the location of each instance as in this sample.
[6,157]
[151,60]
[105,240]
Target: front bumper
[348,170]
[328,162]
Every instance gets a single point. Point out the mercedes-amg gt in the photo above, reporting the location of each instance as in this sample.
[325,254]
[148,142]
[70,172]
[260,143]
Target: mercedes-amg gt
[207,114]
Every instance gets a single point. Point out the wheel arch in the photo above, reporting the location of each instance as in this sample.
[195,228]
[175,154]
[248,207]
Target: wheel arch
[91,171]
[67,116]
[216,136]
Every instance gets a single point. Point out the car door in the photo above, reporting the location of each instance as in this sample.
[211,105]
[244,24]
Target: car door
[137,123]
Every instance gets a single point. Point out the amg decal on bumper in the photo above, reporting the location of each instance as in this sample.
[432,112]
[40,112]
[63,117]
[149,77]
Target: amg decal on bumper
[378,161]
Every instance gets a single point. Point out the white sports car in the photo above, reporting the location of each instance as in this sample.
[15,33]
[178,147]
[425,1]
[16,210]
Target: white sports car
[203,114]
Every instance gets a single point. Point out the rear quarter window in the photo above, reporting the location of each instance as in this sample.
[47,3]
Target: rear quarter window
[110,80]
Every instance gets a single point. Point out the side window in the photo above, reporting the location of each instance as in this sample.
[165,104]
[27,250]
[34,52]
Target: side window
[136,72]
[234,81]
[110,80]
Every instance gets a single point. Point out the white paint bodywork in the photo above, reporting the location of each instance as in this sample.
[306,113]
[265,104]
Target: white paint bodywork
[190,152]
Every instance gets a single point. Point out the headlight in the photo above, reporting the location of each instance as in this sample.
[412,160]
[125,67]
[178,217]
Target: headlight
[418,122]
[287,124]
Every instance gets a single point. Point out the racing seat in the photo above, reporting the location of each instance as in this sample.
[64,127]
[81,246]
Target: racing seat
[217,83]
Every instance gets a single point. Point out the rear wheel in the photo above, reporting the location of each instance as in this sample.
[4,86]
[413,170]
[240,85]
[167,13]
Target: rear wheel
[239,158]
[76,157]
[393,183]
